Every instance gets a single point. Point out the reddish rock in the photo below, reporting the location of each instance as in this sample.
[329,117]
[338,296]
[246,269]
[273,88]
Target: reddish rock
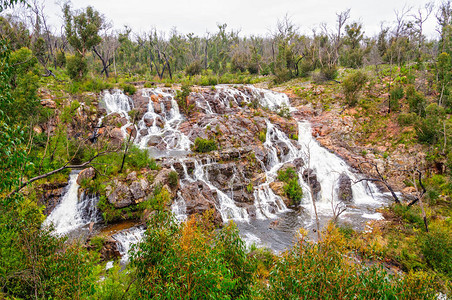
[86,174]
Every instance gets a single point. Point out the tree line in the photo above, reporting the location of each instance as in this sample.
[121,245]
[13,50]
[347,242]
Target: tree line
[87,41]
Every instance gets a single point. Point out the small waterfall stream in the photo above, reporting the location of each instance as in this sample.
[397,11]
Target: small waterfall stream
[71,214]
[126,238]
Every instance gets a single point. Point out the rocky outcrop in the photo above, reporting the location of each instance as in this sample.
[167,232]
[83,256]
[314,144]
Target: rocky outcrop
[199,198]
[345,193]
[129,192]
[311,178]
[50,195]
[86,174]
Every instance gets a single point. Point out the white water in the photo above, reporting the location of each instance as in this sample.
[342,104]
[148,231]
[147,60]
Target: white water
[328,167]
[126,238]
[162,128]
[159,130]
[70,213]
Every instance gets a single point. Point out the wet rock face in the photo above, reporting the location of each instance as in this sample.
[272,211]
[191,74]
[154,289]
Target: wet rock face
[51,195]
[345,193]
[199,198]
[311,178]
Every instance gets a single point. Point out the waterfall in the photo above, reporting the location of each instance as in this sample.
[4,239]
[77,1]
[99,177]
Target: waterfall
[71,213]
[163,130]
[328,167]
[126,238]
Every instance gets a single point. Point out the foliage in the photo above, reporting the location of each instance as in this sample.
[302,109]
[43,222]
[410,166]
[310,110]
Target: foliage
[262,135]
[129,89]
[194,68]
[204,145]
[173,179]
[191,260]
[292,188]
[352,86]
[437,250]
[429,129]
[76,67]
[284,111]
[416,101]
[395,95]
[323,271]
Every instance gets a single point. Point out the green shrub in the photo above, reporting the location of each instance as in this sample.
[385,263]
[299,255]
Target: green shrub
[284,111]
[429,130]
[405,119]
[330,73]
[139,158]
[352,86]
[173,179]
[194,68]
[204,145]
[292,188]
[262,135]
[97,242]
[437,250]
[323,270]
[76,67]
[191,261]
[250,187]
[416,101]
[394,96]
[128,88]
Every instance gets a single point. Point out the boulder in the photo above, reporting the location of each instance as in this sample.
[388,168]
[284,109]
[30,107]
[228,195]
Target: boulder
[119,194]
[311,178]
[345,193]
[86,174]
[278,188]
[116,134]
[110,250]
[199,198]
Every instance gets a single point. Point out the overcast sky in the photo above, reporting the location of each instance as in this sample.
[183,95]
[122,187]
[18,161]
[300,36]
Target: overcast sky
[255,17]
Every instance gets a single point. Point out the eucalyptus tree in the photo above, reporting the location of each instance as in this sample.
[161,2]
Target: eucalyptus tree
[82,32]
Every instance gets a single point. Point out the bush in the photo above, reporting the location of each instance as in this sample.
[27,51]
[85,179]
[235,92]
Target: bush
[204,145]
[191,261]
[128,88]
[139,158]
[429,130]
[284,111]
[394,96]
[352,86]
[292,188]
[76,67]
[323,270]
[405,119]
[330,73]
[437,250]
[263,135]
[173,179]
[416,101]
[194,68]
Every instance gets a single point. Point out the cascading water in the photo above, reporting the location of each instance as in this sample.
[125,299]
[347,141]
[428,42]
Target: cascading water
[328,167]
[126,238]
[70,213]
[160,131]
[159,126]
